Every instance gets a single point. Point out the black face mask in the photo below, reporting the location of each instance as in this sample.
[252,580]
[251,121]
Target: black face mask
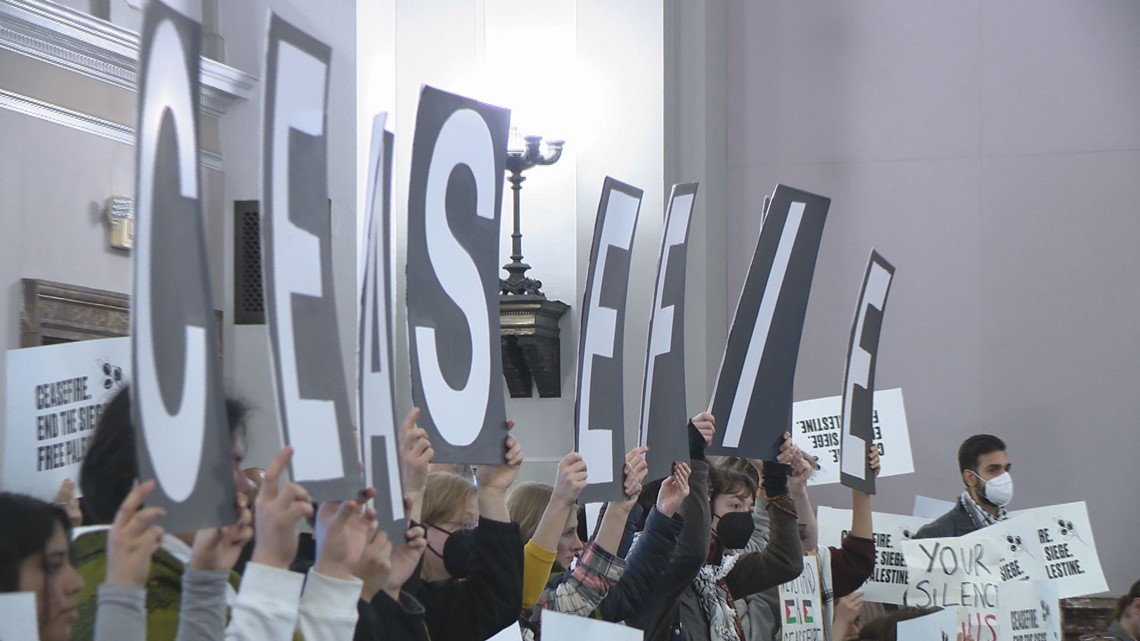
[735,529]
[457,551]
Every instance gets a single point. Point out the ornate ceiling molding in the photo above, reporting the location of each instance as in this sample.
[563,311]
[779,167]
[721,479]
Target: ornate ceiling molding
[85,123]
[86,45]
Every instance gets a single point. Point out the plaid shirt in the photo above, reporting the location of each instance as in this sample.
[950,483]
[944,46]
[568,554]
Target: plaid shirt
[981,517]
[581,591]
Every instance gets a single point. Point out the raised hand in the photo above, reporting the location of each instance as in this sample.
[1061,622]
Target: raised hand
[415,453]
[404,560]
[343,531]
[278,510]
[674,490]
[706,425]
[133,538]
[873,458]
[793,456]
[634,472]
[500,477]
[570,479]
[219,548]
[65,498]
[374,563]
[846,611]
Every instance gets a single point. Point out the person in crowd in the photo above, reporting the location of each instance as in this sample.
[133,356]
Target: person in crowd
[603,584]
[1126,617]
[658,615]
[707,606]
[984,466]
[548,521]
[842,569]
[35,556]
[108,473]
[470,586]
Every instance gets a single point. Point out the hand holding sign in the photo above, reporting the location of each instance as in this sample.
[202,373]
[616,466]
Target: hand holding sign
[218,549]
[494,480]
[278,510]
[674,490]
[133,539]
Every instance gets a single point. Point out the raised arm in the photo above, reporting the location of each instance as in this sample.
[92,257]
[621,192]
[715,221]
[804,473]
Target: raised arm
[415,460]
[617,512]
[133,539]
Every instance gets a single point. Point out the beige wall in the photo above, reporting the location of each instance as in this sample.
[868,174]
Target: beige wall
[991,151]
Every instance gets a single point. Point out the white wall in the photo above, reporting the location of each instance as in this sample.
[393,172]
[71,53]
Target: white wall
[991,151]
[560,66]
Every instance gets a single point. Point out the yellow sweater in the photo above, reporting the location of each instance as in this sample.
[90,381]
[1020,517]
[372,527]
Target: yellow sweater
[537,562]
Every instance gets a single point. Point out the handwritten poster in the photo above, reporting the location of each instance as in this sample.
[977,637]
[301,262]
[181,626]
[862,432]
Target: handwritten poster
[959,574]
[800,605]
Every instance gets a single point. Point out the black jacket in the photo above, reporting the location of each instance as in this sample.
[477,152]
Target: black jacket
[956,522]
[479,606]
[644,568]
[385,620]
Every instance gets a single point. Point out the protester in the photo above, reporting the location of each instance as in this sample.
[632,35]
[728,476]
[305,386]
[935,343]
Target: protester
[984,466]
[548,521]
[35,556]
[1126,617]
[477,587]
[107,476]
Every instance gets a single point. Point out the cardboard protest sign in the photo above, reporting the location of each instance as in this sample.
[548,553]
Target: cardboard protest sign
[598,407]
[1053,544]
[55,395]
[754,386]
[177,400]
[312,393]
[816,426]
[801,605]
[960,574]
[889,579]
[454,198]
[18,616]
[557,626]
[859,379]
[377,386]
[938,626]
[1029,611]
[663,410]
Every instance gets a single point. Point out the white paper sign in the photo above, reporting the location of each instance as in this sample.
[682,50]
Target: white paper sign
[1029,611]
[938,626]
[959,574]
[557,626]
[815,429]
[55,396]
[930,508]
[889,578]
[801,606]
[509,633]
[1053,543]
[18,616]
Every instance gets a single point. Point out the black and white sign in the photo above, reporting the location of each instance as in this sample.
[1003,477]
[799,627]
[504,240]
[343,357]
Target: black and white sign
[377,386]
[857,433]
[454,199]
[312,393]
[754,386]
[55,395]
[178,403]
[663,410]
[598,408]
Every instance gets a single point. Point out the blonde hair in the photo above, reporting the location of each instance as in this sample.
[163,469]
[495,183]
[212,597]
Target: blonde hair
[445,494]
[526,504]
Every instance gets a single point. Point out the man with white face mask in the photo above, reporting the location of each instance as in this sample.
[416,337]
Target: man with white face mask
[989,489]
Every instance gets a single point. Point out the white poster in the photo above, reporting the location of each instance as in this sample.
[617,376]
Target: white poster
[557,626]
[957,574]
[816,425]
[889,578]
[1029,611]
[1053,543]
[18,616]
[55,396]
[800,604]
[941,625]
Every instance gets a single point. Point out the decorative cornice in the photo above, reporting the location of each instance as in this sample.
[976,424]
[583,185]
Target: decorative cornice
[84,122]
[86,45]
